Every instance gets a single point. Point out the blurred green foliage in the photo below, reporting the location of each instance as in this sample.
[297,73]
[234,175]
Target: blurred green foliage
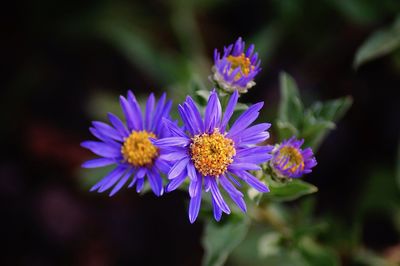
[311,124]
[174,56]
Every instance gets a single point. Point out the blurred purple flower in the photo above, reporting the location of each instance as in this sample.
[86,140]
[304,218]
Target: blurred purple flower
[129,146]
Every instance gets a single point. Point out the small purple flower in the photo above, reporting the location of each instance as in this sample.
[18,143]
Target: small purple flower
[129,146]
[213,156]
[289,160]
[237,68]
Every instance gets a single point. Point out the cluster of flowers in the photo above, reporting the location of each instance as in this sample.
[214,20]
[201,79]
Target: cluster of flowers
[207,151]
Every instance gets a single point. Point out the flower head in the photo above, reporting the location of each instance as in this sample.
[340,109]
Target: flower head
[237,68]
[128,146]
[212,156]
[289,160]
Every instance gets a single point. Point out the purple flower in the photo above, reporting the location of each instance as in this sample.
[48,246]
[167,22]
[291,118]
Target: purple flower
[237,68]
[128,146]
[212,156]
[289,160]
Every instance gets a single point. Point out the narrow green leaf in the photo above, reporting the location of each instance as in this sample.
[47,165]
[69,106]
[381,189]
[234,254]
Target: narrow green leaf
[204,94]
[380,43]
[290,190]
[220,239]
[320,118]
[332,110]
[286,129]
[317,254]
[290,107]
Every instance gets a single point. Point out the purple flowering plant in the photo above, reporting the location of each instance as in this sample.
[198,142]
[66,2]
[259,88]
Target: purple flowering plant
[217,149]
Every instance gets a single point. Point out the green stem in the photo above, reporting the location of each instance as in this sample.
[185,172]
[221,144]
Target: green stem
[265,215]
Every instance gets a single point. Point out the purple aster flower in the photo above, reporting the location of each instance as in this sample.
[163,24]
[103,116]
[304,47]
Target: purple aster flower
[212,156]
[289,160]
[237,68]
[129,146]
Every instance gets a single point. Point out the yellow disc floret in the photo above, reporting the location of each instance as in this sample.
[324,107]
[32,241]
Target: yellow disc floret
[295,159]
[138,150]
[240,61]
[212,153]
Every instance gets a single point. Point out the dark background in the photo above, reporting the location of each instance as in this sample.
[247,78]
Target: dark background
[64,65]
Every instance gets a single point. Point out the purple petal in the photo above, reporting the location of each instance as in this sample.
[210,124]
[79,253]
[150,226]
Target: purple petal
[191,170]
[176,182]
[194,115]
[246,119]
[139,175]
[172,141]
[117,123]
[253,139]
[195,202]
[121,183]
[234,180]
[155,182]
[186,120]
[149,112]
[192,188]
[252,181]
[100,162]
[250,50]
[212,116]
[235,194]
[107,130]
[254,155]
[139,185]
[216,210]
[159,111]
[162,165]
[106,178]
[254,151]
[177,169]
[243,166]
[174,129]
[136,109]
[216,194]
[230,108]
[130,116]
[251,131]
[165,113]
[102,149]
[112,179]
[207,182]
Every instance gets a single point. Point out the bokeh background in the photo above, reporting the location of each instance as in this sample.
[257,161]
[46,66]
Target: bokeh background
[64,63]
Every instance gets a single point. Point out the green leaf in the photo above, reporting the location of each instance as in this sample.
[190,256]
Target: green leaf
[316,254]
[320,118]
[203,94]
[220,239]
[286,129]
[290,106]
[380,43]
[291,190]
[332,110]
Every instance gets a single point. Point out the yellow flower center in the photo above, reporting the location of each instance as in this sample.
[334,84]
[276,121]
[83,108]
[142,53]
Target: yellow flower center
[138,150]
[240,61]
[295,161]
[212,153]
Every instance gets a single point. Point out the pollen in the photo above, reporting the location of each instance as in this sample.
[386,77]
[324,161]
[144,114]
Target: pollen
[138,150]
[212,153]
[293,157]
[240,61]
